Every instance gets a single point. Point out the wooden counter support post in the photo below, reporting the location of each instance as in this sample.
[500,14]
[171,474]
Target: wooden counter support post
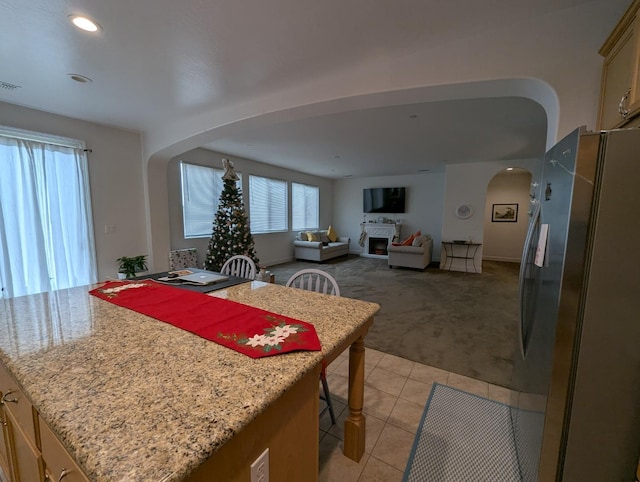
[355,424]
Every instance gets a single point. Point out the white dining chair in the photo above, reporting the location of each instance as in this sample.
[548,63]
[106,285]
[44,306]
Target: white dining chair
[311,279]
[239,265]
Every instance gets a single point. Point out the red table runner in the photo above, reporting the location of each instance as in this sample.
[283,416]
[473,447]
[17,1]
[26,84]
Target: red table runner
[243,328]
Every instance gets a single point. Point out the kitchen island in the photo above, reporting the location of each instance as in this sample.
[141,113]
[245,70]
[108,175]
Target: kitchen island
[133,398]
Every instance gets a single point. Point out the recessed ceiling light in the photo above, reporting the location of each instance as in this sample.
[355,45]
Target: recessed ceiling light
[509,168]
[423,170]
[83,79]
[336,157]
[84,23]
[413,116]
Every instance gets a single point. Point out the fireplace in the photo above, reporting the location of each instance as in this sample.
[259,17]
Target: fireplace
[378,246]
[378,237]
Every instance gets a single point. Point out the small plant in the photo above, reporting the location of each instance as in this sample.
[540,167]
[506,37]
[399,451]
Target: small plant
[130,266]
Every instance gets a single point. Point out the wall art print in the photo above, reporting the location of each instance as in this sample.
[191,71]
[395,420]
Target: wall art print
[504,213]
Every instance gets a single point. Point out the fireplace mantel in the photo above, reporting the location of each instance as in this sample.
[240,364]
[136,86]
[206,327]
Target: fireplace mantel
[379,236]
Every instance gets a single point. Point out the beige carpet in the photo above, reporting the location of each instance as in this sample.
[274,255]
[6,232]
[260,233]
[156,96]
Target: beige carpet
[463,323]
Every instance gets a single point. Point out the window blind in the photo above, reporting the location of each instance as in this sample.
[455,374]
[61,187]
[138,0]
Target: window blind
[201,189]
[305,206]
[267,205]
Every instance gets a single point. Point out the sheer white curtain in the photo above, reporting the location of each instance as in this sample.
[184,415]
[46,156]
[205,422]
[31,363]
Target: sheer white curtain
[46,226]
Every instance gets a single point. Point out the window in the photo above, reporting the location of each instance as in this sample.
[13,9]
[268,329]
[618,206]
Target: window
[267,204]
[46,222]
[201,189]
[305,206]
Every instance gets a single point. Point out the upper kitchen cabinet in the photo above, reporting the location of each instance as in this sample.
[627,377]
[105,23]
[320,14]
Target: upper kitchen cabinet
[620,90]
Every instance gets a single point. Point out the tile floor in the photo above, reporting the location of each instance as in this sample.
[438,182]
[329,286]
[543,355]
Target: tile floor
[396,391]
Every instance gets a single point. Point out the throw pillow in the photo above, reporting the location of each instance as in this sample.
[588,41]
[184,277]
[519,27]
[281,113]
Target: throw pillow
[408,241]
[415,236]
[419,240]
[324,238]
[332,235]
[311,236]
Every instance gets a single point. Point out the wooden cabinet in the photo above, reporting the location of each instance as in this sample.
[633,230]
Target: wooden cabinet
[620,88]
[29,451]
[6,463]
[27,461]
[60,465]
[19,433]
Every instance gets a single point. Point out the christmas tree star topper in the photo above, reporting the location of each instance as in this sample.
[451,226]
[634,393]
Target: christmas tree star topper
[229,172]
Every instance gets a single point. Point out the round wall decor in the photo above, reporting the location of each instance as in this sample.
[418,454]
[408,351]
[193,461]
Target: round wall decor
[464,211]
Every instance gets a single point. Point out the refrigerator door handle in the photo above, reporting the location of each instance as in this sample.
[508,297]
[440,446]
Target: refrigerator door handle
[524,267]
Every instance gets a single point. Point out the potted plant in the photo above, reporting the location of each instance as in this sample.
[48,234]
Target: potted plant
[129,266]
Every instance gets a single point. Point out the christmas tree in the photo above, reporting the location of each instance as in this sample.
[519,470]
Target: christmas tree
[231,234]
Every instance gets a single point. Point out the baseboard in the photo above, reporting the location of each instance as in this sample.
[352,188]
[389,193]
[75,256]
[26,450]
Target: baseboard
[273,262]
[501,258]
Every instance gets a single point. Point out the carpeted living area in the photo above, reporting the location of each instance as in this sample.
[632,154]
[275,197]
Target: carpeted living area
[463,323]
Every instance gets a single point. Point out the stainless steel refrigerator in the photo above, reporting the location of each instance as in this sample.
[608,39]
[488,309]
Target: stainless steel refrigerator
[579,333]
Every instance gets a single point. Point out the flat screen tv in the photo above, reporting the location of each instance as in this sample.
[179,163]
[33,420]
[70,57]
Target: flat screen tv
[383,200]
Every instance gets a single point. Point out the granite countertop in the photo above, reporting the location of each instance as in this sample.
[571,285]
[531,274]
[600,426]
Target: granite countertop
[133,398]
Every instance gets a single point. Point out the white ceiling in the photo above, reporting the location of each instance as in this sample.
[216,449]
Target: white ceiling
[402,139]
[156,63]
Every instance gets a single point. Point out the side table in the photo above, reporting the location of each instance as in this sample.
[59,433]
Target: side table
[465,251]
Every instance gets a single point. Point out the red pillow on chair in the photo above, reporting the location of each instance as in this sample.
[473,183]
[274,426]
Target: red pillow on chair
[408,241]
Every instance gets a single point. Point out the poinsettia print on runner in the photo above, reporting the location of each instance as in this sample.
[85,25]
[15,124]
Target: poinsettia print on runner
[273,337]
[114,291]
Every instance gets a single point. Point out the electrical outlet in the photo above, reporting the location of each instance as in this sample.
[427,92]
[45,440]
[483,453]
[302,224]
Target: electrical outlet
[260,468]
[109,229]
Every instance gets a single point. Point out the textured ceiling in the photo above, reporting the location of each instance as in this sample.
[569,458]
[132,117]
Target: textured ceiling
[161,66]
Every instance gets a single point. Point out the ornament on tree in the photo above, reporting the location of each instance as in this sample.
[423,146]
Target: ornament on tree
[231,234]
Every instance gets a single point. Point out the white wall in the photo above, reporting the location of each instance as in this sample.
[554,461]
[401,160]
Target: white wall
[503,241]
[271,248]
[117,194]
[553,61]
[115,175]
[467,183]
[424,197]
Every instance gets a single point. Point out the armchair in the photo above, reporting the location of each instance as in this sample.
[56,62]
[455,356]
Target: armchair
[417,255]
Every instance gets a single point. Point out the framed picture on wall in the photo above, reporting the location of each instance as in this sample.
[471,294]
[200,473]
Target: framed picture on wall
[504,213]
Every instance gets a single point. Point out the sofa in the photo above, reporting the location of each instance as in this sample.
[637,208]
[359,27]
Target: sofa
[417,254]
[321,248]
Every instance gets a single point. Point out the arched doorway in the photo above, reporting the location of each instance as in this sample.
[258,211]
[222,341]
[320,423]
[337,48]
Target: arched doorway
[506,215]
